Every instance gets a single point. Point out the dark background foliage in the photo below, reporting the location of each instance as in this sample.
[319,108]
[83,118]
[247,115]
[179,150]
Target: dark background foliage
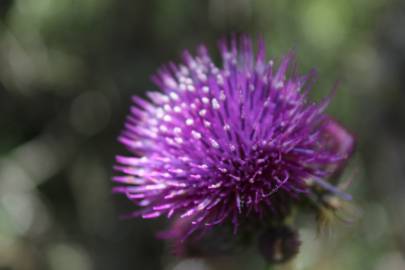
[68,69]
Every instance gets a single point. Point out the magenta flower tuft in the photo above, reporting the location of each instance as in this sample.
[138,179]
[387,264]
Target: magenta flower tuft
[225,143]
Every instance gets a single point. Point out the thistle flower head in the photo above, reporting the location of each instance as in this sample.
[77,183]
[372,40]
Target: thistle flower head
[225,143]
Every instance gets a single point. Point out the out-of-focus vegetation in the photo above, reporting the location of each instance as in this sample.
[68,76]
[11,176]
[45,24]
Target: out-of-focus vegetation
[68,69]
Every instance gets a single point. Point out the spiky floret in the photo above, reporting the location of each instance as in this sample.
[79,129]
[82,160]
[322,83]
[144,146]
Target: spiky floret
[222,143]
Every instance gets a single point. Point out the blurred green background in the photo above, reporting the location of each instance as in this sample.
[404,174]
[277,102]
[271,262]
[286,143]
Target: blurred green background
[69,67]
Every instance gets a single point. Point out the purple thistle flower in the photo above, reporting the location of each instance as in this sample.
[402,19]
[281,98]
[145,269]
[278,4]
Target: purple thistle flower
[225,143]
